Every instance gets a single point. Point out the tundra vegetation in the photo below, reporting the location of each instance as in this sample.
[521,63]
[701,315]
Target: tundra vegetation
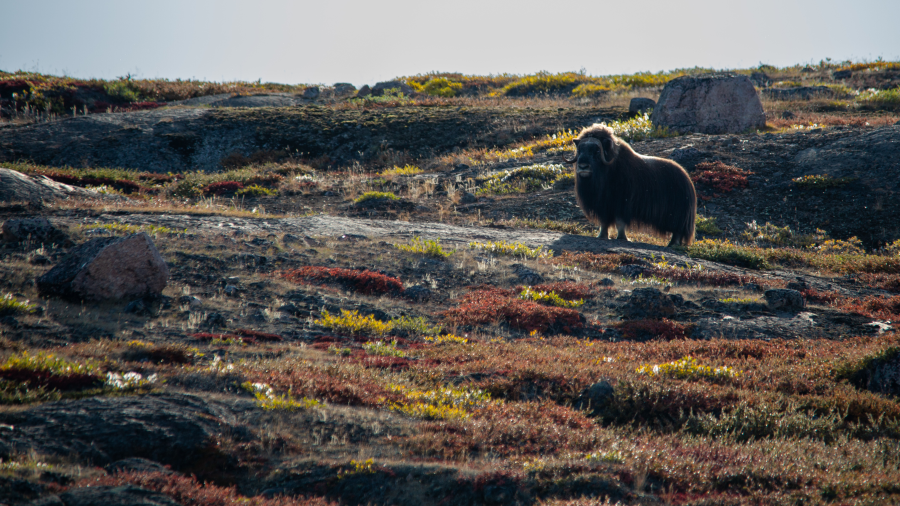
[485,365]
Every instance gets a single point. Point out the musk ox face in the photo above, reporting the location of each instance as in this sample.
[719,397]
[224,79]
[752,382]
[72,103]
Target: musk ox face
[592,157]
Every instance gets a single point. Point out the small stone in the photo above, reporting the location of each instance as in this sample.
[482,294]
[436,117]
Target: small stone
[526,275]
[631,271]
[607,282]
[190,301]
[787,115]
[36,230]
[460,166]
[760,79]
[343,89]
[641,105]
[39,260]
[595,397]
[842,74]
[215,320]
[648,303]
[417,293]
[311,93]
[781,298]
[231,291]
[379,88]
[468,198]
[686,154]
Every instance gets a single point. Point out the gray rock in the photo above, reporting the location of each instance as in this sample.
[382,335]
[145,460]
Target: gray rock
[417,293]
[468,198]
[710,103]
[641,105]
[686,153]
[631,270]
[787,115]
[215,320]
[232,291]
[343,89]
[108,268]
[880,375]
[37,230]
[785,299]
[379,89]
[365,91]
[648,303]
[595,397]
[799,93]
[842,74]
[190,301]
[760,79]
[607,282]
[526,275]
[167,428]
[17,187]
[765,327]
[311,93]
[125,495]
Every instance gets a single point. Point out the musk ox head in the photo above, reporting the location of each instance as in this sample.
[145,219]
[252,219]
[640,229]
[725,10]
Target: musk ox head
[596,148]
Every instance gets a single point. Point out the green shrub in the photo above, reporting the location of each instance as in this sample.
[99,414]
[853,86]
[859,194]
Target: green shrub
[255,191]
[707,226]
[384,349]
[9,305]
[821,181]
[512,249]
[441,87]
[724,251]
[523,179]
[428,247]
[375,195]
[550,298]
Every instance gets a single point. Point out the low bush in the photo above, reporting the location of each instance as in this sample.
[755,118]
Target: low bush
[255,191]
[512,249]
[664,329]
[11,305]
[223,187]
[350,322]
[188,490]
[365,197]
[406,170]
[428,247]
[523,179]
[549,298]
[720,177]
[490,305]
[688,368]
[365,281]
[724,251]
[51,371]
[821,182]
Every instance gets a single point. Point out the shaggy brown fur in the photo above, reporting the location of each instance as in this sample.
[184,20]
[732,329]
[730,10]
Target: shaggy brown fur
[615,185]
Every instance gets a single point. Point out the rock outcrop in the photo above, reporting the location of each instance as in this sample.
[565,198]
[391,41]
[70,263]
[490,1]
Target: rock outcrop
[18,187]
[710,104]
[108,268]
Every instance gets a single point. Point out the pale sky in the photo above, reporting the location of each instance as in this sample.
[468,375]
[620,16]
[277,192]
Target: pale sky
[366,41]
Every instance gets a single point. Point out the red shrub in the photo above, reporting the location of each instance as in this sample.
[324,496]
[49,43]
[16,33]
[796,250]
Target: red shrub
[49,380]
[258,336]
[887,282]
[605,262]
[206,336]
[187,490]
[119,184]
[364,281]
[222,187]
[379,362]
[664,329]
[721,177]
[488,305]
[887,308]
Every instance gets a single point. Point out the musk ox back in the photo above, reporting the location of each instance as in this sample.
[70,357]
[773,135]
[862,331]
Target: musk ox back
[616,186]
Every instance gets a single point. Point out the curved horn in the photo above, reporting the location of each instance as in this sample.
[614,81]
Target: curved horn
[570,160]
[603,155]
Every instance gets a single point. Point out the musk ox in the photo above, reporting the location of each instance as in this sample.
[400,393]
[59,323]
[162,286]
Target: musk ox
[616,186]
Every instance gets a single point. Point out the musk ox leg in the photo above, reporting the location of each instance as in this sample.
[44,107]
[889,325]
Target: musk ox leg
[604,232]
[620,228]
[676,240]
